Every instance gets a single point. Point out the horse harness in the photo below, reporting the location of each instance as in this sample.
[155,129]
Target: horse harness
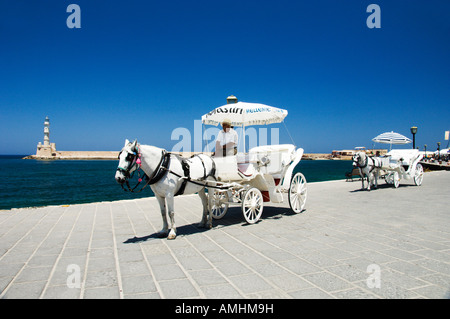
[162,169]
[187,173]
[364,165]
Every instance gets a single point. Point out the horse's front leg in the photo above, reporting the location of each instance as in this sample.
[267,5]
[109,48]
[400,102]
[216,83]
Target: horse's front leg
[162,205]
[170,206]
[375,176]
[207,218]
[361,173]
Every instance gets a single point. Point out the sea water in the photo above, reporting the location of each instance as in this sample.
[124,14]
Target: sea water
[32,183]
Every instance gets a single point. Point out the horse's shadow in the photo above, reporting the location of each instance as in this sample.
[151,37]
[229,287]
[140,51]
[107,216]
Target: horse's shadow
[233,216]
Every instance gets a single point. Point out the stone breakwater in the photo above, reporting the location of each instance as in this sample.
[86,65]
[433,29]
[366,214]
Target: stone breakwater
[78,155]
[92,155]
[112,155]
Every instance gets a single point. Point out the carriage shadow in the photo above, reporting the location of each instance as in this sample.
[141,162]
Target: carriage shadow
[233,217]
[381,186]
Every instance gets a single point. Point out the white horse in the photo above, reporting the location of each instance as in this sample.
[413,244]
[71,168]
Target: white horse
[368,166]
[168,175]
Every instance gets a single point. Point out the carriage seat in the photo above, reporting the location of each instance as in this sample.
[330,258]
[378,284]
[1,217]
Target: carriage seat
[247,169]
[403,157]
[267,159]
[272,158]
[227,168]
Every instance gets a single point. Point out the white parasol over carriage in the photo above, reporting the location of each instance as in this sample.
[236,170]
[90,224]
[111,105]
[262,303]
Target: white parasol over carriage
[392,138]
[263,174]
[245,114]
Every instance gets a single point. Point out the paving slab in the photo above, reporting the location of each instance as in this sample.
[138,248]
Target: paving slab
[347,244]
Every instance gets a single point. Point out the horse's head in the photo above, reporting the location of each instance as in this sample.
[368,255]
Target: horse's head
[359,158]
[127,161]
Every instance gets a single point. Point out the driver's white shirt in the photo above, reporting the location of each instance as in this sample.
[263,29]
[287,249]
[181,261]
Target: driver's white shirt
[227,137]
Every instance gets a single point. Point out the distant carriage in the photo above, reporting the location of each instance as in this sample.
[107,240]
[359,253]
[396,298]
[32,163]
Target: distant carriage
[403,164]
[399,163]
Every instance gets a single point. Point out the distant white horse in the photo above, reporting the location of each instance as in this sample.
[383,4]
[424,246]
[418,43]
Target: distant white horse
[168,175]
[368,166]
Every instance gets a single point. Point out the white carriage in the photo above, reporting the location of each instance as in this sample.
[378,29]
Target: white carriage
[399,163]
[402,164]
[250,180]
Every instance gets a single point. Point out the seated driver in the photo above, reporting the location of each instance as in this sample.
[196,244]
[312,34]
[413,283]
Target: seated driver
[227,139]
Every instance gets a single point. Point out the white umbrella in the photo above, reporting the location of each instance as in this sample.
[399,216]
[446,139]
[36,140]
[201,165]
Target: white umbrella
[444,151]
[245,114]
[392,138]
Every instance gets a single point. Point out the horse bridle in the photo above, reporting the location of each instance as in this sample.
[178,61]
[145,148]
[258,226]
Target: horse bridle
[157,174]
[131,158]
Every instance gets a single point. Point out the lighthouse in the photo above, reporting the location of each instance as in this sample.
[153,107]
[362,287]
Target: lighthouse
[46,150]
[46,132]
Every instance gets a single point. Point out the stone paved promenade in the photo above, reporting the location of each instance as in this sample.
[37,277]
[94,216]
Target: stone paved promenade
[387,243]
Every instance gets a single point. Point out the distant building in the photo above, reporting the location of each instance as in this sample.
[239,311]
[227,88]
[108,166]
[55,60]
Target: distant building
[349,153]
[47,149]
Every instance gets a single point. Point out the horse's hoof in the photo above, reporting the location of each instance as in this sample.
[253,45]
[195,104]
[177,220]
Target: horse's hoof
[171,237]
[201,225]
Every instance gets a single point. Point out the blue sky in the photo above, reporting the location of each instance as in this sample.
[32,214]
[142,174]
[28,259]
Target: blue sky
[140,69]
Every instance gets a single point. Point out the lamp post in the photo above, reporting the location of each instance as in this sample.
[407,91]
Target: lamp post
[425,147]
[414,131]
[439,150]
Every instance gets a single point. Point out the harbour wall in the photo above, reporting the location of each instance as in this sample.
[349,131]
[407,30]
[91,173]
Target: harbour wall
[91,155]
[112,155]
[78,155]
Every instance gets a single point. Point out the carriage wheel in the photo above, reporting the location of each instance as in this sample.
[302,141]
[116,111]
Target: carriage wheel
[396,179]
[389,178]
[252,205]
[418,176]
[218,203]
[297,193]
